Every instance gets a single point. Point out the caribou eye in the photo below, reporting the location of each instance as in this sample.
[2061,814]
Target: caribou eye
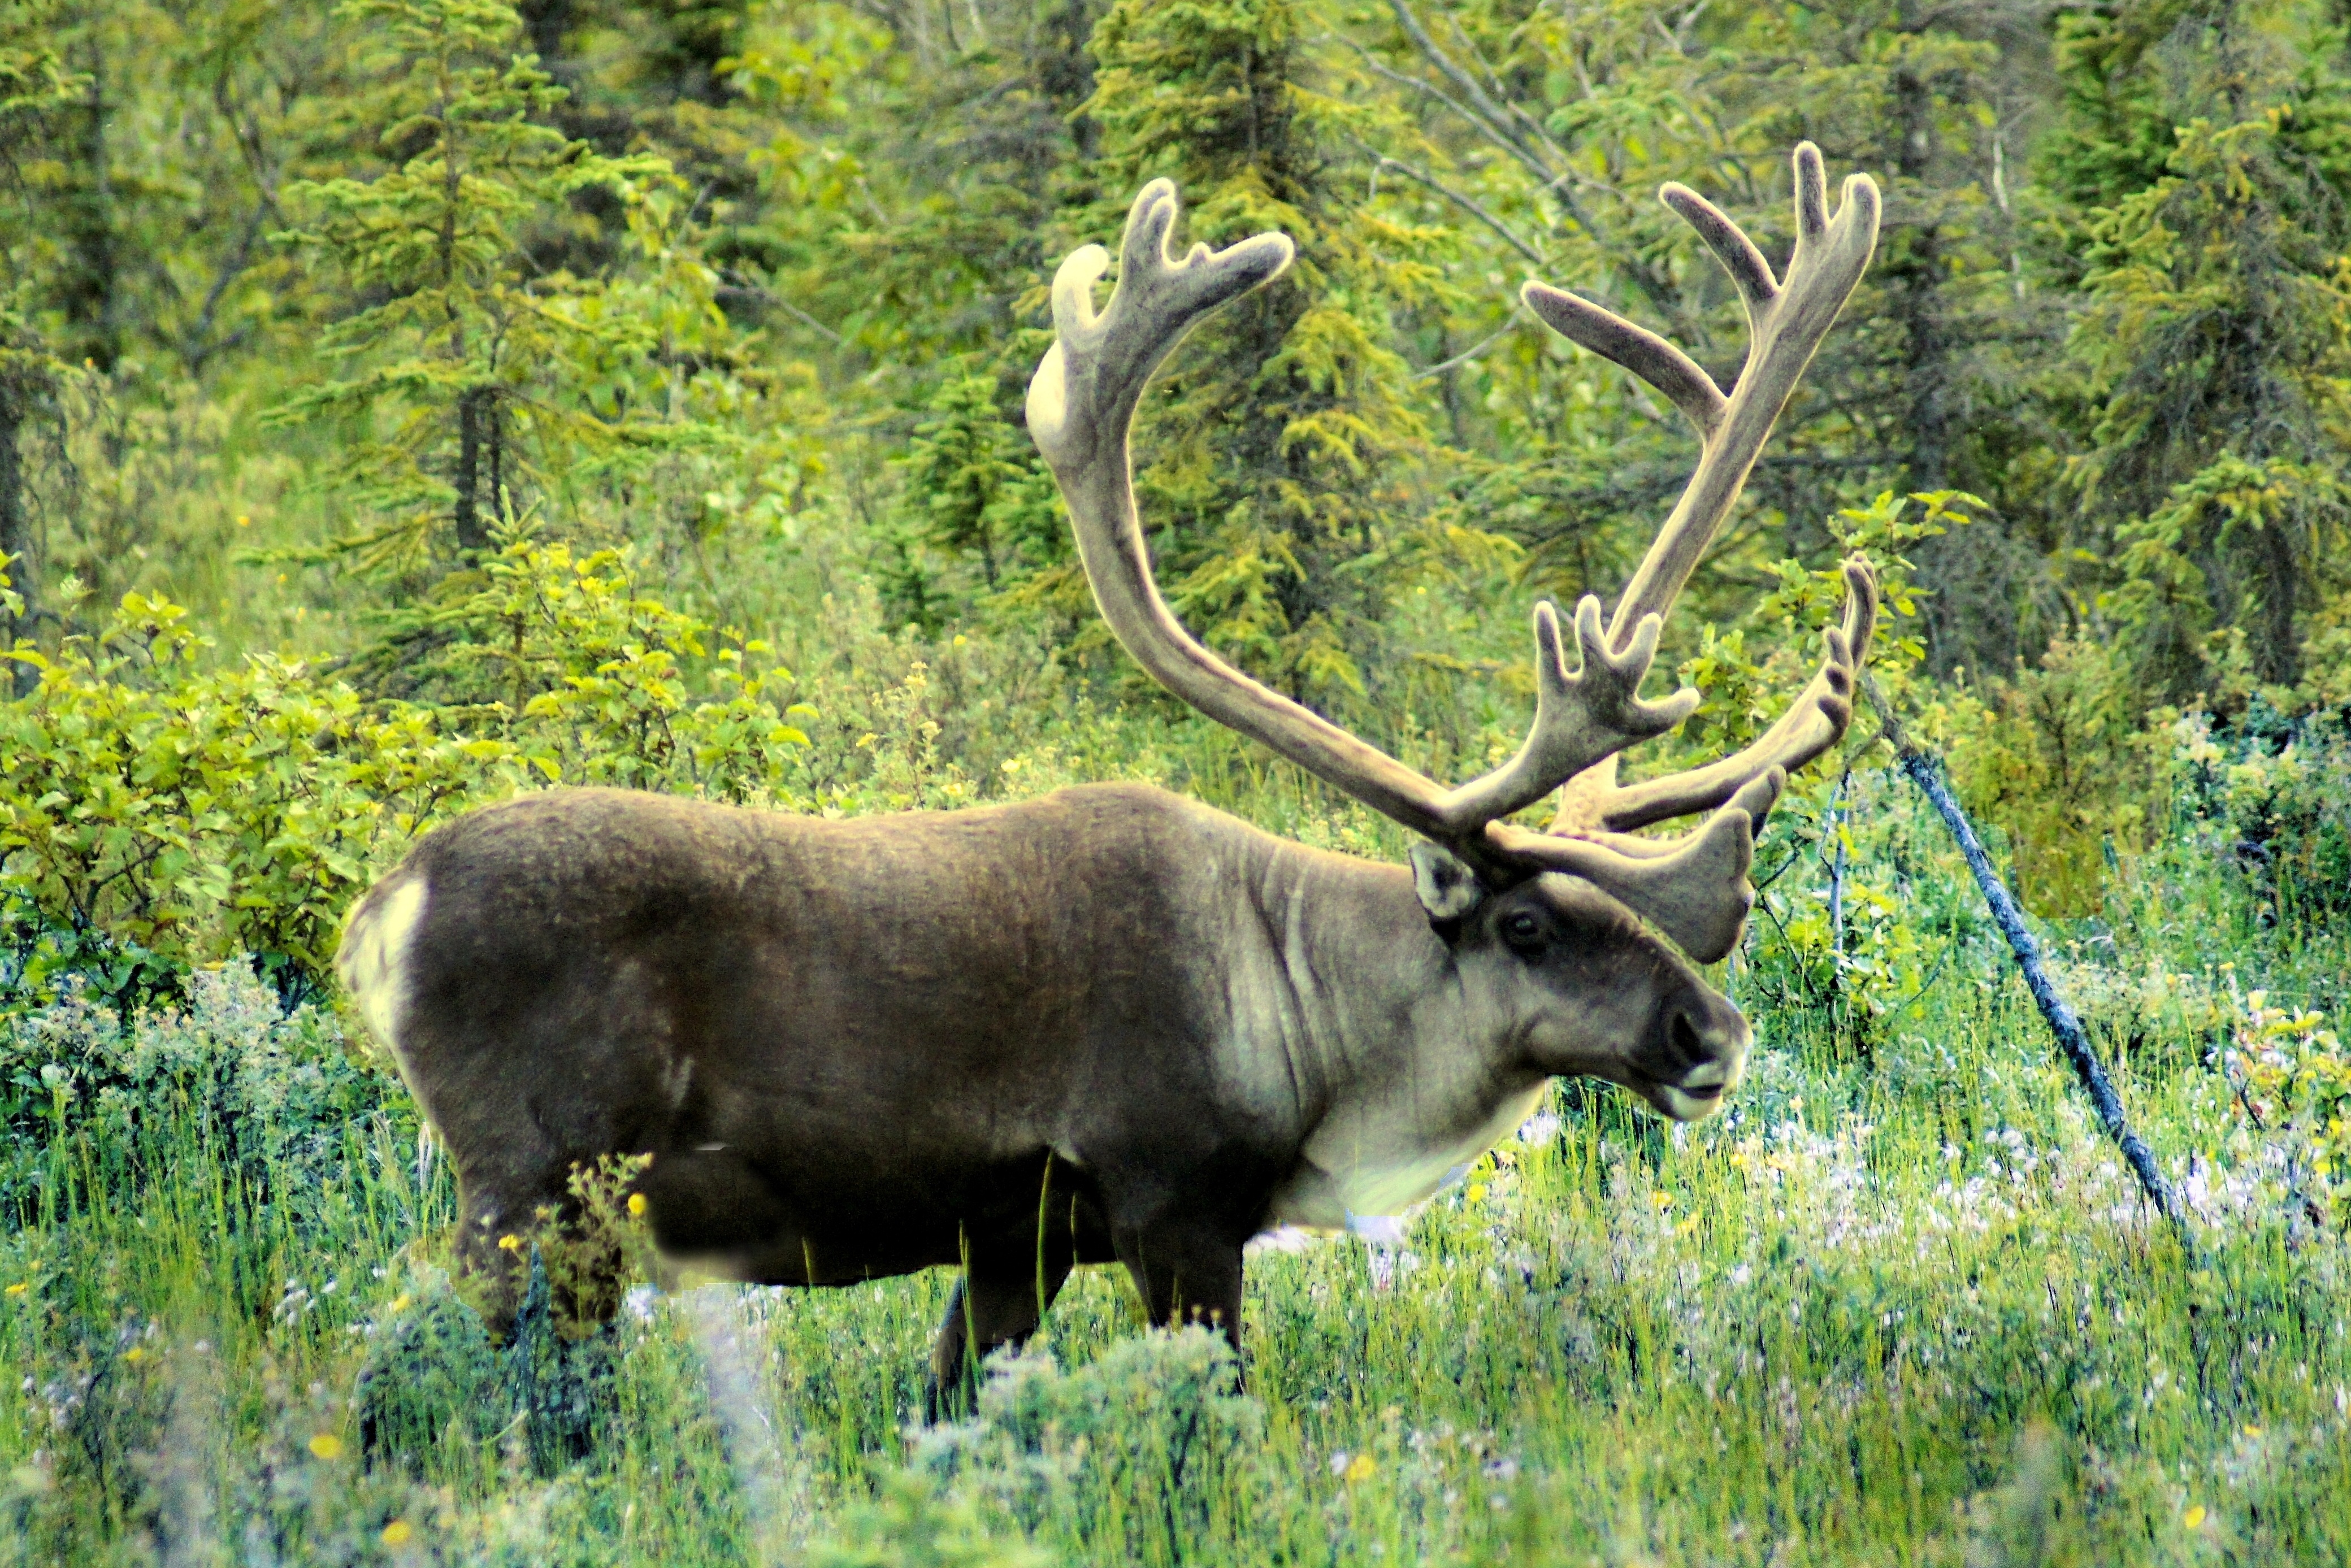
[1523,930]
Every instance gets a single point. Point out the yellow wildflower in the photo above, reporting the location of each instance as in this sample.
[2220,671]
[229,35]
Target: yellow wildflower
[636,1206]
[326,1446]
[1360,1468]
[397,1532]
[2194,1518]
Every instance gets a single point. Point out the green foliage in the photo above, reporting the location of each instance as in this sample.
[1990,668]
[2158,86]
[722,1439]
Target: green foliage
[429,1384]
[1140,1454]
[476,371]
[1276,453]
[982,487]
[94,1104]
[587,680]
[194,813]
[32,77]
[911,1526]
[198,814]
[1831,1307]
[2293,1083]
[2217,330]
[2273,803]
[2055,759]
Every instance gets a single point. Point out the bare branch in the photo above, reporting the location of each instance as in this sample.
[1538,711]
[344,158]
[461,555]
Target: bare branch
[1487,110]
[1465,203]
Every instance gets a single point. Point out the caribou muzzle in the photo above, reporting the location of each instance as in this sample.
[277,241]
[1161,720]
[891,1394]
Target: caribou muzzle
[1695,1056]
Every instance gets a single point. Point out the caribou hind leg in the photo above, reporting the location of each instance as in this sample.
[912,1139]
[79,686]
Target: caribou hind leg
[498,1219]
[1015,1264]
[1007,1285]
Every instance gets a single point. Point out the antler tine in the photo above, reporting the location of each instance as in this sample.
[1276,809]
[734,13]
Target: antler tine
[1638,349]
[1787,321]
[1595,806]
[1750,273]
[1085,390]
[1578,717]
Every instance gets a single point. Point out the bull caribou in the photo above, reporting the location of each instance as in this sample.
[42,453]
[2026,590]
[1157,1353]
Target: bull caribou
[1113,1025]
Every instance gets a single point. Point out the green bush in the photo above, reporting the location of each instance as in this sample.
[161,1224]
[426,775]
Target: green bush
[1142,1450]
[194,813]
[2271,798]
[911,1526]
[160,813]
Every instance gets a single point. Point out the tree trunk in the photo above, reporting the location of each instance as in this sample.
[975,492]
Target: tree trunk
[474,413]
[91,290]
[2278,654]
[1918,286]
[16,535]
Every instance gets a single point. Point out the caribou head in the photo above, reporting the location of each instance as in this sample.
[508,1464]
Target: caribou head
[1110,1024]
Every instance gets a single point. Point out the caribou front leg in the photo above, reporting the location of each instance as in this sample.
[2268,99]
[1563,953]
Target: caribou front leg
[1187,1275]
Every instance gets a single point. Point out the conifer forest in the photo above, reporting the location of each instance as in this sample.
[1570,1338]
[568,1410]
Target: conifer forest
[410,405]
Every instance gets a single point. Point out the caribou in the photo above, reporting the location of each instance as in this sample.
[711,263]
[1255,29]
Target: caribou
[1112,1025]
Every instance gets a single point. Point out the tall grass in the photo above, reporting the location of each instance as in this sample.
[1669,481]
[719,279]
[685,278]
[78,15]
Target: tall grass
[1898,1303]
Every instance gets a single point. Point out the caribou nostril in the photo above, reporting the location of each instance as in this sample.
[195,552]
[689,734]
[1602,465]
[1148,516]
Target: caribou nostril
[1682,1039]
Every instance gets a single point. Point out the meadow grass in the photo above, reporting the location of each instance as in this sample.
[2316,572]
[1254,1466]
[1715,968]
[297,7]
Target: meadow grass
[1899,1303]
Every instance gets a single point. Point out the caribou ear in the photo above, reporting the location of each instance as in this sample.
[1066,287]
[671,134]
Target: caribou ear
[1449,889]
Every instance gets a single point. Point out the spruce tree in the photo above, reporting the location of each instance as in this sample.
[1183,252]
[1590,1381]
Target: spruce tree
[2207,153]
[1553,128]
[472,378]
[970,145]
[1274,456]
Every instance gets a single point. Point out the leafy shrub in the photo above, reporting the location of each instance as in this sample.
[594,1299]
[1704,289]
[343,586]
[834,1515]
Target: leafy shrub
[2271,797]
[158,812]
[2056,760]
[1131,1454]
[584,679]
[2293,1083]
[196,813]
[912,1526]
[430,1379]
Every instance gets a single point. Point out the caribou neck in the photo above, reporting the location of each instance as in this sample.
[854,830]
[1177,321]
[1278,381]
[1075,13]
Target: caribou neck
[1396,1070]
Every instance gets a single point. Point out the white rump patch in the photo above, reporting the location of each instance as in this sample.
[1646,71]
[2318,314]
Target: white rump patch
[374,962]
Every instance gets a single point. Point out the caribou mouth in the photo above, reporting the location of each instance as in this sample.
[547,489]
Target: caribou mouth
[1683,1103]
